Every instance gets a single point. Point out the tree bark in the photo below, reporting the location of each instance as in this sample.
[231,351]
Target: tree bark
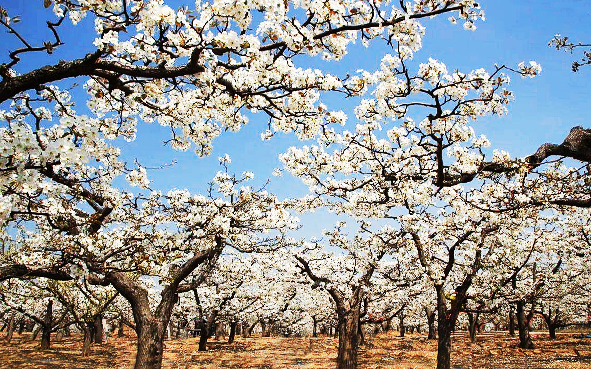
[249,332]
[233,326]
[10,330]
[46,334]
[315,327]
[402,328]
[552,331]
[87,341]
[98,329]
[431,323]
[150,327]
[388,324]
[511,323]
[265,331]
[21,326]
[348,340]
[36,332]
[204,335]
[120,332]
[207,328]
[472,325]
[525,341]
[443,332]
[552,322]
[150,346]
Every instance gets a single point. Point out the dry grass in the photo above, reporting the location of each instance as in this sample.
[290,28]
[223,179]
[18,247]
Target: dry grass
[495,350]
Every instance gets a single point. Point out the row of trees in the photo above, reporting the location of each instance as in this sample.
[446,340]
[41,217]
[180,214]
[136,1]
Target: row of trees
[439,220]
[244,291]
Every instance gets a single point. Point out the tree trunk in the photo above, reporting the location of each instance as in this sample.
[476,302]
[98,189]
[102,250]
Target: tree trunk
[265,331]
[90,328]
[472,325]
[150,346]
[525,341]
[204,335]
[36,333]
[348,340]
[511,323]
[150,327]
[244,329]
[98,329]
[11,325]
[402,328]
[443,344]
[361,338]
[206,329]
[431,323]
[552,322]
[87,341]
[249,333]
[46,334]
[552,331]
[445,322]
[388,324]
[315,326]
[21,326]
[120,332]
[232,335]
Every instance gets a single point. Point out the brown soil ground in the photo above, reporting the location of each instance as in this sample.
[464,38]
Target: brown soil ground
[491,350]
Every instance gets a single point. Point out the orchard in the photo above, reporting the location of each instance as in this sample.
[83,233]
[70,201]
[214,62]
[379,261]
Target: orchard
[174,170]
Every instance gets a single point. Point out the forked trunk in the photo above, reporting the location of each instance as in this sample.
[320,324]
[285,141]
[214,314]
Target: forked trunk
[552,322]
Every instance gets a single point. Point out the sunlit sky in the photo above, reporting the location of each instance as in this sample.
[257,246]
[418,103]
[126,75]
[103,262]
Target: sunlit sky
[544,110]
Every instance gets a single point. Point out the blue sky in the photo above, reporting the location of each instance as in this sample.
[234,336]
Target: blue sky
[515,30]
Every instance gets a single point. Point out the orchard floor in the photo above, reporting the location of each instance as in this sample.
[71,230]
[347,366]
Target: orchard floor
[491,350]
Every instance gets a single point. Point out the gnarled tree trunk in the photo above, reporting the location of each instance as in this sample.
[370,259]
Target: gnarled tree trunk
[348,339]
